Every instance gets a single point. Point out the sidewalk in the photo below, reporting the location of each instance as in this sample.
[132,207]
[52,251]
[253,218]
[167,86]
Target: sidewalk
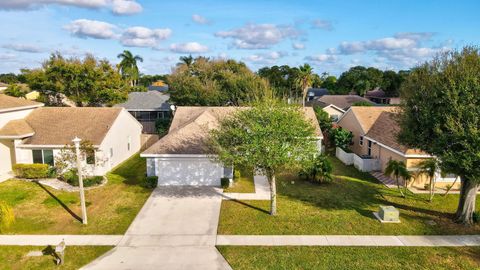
[72,240]
[262,191]
[349,240]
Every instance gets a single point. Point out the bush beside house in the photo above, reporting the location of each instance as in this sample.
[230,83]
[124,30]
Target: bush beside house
[32,171]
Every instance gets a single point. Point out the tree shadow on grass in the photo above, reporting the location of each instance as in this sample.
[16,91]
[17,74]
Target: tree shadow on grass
[60,202]
[251,206]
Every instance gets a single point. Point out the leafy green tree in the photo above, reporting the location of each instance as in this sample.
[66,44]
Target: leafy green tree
[86,81]
[398,170]
[147,80]
[215,83]
[162,125]
[430,167]
[282,79]
[11,78]
[270,136]
[330,83]
[392,82]
[341,138]
[318,170]
[441,116]
[304,80]
[359,79]
[15,90]
[323,119]
[7,216]
[128,66]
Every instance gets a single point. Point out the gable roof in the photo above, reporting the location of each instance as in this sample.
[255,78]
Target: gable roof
[367,115]
[16,129]
[188,133]
[149,101]
[59,125]
[341,101]
[8,103]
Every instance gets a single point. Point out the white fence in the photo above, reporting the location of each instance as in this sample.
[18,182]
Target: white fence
[362,164]
[346,158]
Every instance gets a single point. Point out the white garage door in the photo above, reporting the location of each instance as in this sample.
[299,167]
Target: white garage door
[188,171]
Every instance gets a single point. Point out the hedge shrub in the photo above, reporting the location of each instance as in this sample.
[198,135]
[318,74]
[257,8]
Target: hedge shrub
[71,177]
[225,182]
[151,182]
[32,171]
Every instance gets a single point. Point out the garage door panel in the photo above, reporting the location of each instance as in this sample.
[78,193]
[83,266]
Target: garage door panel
[189,172]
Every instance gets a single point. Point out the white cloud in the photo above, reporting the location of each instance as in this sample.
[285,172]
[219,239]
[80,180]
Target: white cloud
[200,19]
[265,58]
[126,7]
[30,48]
[120,7]
[322,24]
[139,36]
[189,47]
[7,56]
[322,58]
[84,28]
[259,36]
[298,46]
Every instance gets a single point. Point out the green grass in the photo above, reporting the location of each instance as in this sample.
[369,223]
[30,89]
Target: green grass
[14,257]
[358,258]
[344,206]
[243,184]
[111,208]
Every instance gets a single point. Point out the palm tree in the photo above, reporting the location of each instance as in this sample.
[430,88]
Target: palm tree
[186,60]
[398,170]
[304,80]
[128,66]
[429,167]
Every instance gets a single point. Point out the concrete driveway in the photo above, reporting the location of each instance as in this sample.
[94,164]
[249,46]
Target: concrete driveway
[176,229]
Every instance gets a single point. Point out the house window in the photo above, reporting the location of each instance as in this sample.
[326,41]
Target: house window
[90,156]
[369,148]
[360,140]
[43,156]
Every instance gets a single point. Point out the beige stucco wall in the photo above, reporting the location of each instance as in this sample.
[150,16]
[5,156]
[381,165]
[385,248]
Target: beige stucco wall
[333,113]
[350,123]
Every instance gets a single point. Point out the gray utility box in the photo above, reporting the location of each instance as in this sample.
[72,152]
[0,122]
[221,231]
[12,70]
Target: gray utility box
[388,213]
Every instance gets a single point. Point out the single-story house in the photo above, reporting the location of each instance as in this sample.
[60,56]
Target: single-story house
[375,132]
[378,96]
[316,92]
[31,133]
[182,156]
[147,108]
[336,105]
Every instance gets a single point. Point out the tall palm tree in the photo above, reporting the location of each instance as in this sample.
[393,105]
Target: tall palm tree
[128,66]
[430,167]
[186,60]
[398,170]
[304,80]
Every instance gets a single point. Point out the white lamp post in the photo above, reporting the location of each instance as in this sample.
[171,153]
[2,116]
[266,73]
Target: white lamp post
[173,108]
[77,141]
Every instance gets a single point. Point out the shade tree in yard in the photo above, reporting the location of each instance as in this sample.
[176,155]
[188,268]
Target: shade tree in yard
[441,116]
[270,136]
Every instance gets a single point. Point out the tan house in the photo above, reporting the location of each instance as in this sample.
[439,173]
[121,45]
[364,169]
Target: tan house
[375,131]
[182,158]
[31,133]
[337,105]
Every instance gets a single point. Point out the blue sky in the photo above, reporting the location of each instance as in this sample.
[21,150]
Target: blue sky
[330,35]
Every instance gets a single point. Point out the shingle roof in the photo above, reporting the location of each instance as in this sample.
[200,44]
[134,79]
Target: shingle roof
[16,129]
[189,130]
[377,92]
[367,116]
[8,103]
[150,100]
[341,101]
[317,92]
[59,125]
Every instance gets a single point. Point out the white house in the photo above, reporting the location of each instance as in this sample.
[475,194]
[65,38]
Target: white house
[182,156]
[30,133]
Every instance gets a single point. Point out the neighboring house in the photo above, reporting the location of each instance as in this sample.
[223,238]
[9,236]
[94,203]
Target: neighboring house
[336,105]
[147,108]
[182,156]
[378,96]
[316,92]
[375,132]
[30,133]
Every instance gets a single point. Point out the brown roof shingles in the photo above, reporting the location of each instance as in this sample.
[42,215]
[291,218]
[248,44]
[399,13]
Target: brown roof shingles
[341,101]
[59,125]
[8,103]
[189,130]
[16,129]
[367,115]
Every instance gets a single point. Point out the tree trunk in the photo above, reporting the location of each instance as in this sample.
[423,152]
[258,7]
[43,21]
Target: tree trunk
[398,186]
[304,94]
[273,193]
[466,204]
[448,189]
[432,188]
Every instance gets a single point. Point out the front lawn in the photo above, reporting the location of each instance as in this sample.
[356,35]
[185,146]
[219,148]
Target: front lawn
[244,183]
[42,210]
[342,207]
[14,257]
[352,257]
